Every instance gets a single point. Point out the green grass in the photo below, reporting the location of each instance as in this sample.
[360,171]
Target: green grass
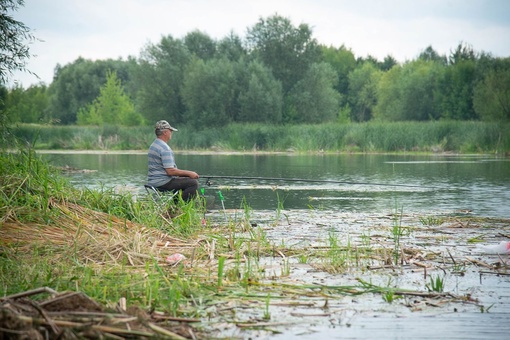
[441,136]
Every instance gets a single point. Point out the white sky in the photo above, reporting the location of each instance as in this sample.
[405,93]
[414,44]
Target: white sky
[102,29]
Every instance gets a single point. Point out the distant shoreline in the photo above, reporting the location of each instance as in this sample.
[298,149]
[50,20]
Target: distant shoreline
[212,152]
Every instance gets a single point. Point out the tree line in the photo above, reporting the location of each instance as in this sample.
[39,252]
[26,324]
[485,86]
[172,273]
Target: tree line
[277,74]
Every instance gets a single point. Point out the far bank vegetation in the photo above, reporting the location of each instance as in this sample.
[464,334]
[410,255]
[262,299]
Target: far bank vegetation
[401,137]
[276,89]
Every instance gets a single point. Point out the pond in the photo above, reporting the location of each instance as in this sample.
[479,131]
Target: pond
[352,200]
[350,183]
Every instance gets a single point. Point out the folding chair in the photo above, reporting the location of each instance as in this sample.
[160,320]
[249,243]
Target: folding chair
[154,193]
[160,196]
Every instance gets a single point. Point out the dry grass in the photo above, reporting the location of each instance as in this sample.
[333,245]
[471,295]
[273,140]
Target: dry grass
[94,237]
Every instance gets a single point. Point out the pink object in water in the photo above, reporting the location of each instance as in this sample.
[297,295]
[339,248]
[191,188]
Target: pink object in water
[502,248]
[175,258]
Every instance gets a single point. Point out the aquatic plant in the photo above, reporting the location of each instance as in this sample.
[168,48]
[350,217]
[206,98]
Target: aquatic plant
[285,268]
[247,211]
[431,220]
[436,284]
[302,258]
[390,296]
[267,314]
[221,265]
[280,206]
[397,232]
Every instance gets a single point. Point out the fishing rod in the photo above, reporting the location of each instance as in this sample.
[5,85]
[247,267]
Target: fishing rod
[208,182]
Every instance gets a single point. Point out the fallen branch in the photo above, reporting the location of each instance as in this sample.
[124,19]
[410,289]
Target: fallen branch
[29,293]
[174,318]
[262,324]
[494,273]
[480,263]
[310,314]
[72,324]
[163,331]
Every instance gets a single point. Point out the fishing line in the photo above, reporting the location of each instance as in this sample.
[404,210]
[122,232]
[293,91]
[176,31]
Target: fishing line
[208,182]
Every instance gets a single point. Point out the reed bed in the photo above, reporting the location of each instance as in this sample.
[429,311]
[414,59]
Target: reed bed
[435,136]
[93,237]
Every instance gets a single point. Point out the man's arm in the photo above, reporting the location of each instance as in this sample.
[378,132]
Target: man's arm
[181,173]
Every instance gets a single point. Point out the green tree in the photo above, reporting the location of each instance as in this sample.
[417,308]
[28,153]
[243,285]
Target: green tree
[419,87]
[231,47]
[363,82]
[112,106]
[27,106]
[389,104]
[287,50]
[159,79]
[4,93]
[368,59]
[13,104]
[455,93]
[78,84]
[408,92]
[463,52]
[343,62]
[262,100]
[388,62]
[4,135]
[209,92]
[429,54]
[200,44]
[14,52]
[15,38]
[314,98]
[491,99]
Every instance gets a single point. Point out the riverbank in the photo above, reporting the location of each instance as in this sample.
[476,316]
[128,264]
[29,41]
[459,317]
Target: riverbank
[346,274]
[258,152]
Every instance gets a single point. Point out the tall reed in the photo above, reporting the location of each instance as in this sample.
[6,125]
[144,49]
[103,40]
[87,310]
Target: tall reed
[438,136]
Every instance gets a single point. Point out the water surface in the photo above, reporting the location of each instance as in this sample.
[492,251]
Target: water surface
[375,183]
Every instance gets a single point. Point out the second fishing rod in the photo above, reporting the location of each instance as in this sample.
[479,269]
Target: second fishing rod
[306,180]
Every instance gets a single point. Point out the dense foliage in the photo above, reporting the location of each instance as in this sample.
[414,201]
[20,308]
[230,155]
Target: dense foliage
[278,74]
[112,106]
[14,38]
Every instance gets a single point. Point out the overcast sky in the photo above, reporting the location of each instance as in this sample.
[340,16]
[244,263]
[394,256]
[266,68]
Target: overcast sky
[102,29]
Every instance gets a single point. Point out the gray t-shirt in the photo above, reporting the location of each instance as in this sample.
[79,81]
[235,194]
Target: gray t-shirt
[160,157]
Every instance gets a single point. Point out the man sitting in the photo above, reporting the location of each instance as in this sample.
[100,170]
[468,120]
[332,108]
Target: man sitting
[163,173]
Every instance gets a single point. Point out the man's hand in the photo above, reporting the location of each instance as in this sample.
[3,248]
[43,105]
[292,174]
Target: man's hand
[193,174]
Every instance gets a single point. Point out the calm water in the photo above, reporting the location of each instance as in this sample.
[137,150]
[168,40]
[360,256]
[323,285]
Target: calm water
[439,184]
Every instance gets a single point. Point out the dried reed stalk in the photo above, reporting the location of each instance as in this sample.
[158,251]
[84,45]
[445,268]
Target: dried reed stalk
[93,237]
